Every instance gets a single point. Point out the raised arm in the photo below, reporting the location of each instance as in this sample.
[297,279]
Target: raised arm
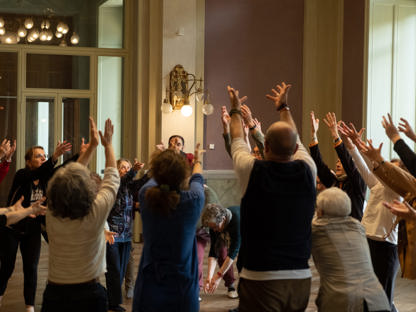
[280,96]
[226,120]
[401,148]
[405,127]
[106,141]
[254,127]
[87,150]
[324,173]
[393,176]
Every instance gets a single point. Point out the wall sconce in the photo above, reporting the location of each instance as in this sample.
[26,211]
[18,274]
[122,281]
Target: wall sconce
[178,94]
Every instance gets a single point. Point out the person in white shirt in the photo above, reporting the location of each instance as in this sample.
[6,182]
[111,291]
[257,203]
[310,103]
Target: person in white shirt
[75,222]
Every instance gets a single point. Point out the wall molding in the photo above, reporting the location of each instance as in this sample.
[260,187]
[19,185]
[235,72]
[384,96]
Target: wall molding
[219,174]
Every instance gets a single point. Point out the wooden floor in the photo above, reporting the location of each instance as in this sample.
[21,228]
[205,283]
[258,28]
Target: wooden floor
[405,298]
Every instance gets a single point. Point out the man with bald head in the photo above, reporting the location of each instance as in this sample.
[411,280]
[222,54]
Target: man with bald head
[277,205]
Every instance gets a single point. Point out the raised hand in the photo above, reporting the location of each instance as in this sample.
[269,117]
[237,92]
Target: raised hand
[161,146]
[106,138]
[225,119]
[351,132]
[258,124]
[60,149]
[390,128]
[405,127]
[345,138]
[84,146]
[247,116]
[12,149]
[401,209]
[235,100]
[137,165]
[93,133]
[331,121]
[280,95]
[4,148]
[198,153]
[370,151]
[314,126]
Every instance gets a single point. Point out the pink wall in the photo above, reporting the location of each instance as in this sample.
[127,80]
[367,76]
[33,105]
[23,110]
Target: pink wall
[251,45]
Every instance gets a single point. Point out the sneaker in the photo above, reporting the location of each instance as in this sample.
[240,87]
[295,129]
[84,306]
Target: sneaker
[129,293]
[232,293]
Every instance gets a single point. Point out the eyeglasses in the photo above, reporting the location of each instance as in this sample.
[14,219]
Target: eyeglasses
[41,156]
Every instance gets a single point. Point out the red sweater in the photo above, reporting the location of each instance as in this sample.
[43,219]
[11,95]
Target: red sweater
[4,168]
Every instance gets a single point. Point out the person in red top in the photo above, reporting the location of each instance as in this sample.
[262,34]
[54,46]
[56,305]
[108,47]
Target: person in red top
[176,143]
[6,154]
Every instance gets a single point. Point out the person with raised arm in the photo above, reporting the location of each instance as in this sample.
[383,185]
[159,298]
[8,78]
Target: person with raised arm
[6,154]
[75,222]
[404,184]
[346,175]
[29,182]
[277,206]
[17,212]
[379,223]
[399,145]
[171,204]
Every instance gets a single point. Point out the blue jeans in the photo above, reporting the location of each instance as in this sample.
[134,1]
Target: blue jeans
[117,258]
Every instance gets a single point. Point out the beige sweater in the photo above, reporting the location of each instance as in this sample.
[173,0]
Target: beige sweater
[77,247]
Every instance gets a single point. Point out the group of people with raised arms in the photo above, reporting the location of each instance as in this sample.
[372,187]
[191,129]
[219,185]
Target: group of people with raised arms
[283,219]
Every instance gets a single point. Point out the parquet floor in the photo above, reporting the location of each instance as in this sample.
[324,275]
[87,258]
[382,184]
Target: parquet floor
[405,293]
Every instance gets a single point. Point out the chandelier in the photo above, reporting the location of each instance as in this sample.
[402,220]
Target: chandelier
[46,29]
[179,92]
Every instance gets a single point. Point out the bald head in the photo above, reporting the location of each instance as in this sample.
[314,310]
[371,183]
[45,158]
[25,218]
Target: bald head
[281,140]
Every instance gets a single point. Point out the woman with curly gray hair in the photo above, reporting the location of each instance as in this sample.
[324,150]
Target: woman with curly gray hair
[224,224]
[75,222]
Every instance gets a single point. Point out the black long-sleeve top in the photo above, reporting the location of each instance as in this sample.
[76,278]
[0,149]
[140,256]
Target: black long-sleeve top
[407,156]
[353,185]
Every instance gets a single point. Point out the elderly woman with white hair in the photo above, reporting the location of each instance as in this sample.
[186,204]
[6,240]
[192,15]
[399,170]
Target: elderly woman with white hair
[341,255]
[75,222]
[224,229]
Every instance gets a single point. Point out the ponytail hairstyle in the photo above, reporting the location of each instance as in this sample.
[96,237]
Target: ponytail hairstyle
[169,169]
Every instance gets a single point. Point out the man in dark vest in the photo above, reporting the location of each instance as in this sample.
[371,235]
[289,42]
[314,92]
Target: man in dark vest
[277,206]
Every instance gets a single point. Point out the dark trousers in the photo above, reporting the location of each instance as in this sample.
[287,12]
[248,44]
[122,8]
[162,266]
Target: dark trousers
[88,297]
[30,250]
[385,261]
[289,295]
[117,256]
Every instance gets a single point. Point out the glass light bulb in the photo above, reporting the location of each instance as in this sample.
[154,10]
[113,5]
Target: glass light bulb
[207,109]
[29,23]
[1,22]
[166,107]
[186,110]
[74,38]
[43,36]
[2,31]
[58,34]
[34,33]
[50,35]
[60,27]
[22,32]
[65,29]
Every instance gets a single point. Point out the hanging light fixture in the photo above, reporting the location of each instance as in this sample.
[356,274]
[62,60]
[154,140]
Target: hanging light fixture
[48,28]
[179,93]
